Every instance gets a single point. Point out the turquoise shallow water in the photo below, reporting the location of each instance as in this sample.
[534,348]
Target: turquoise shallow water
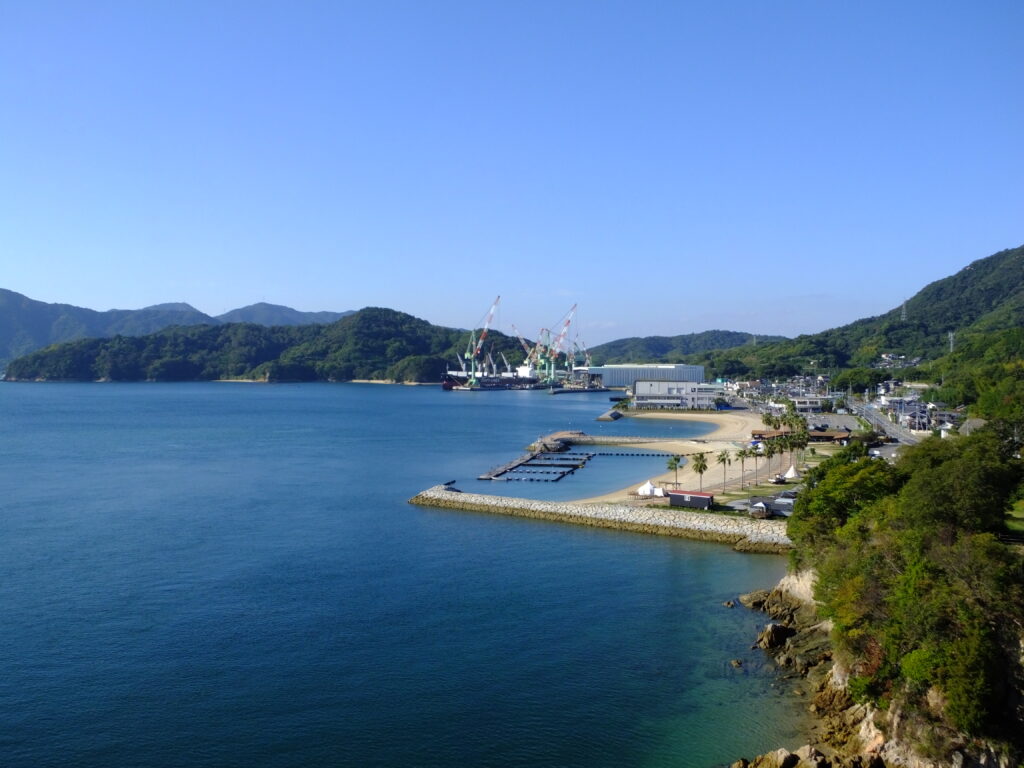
[222,575]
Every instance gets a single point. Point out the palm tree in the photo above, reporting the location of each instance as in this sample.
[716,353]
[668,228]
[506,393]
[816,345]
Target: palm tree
[673,465]
[700,466]
[723,459]
[785,446]
[742,454]
[755,454]
[770,449]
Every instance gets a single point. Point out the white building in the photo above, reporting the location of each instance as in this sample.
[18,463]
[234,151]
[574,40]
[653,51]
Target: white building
[625,375]
[676,395]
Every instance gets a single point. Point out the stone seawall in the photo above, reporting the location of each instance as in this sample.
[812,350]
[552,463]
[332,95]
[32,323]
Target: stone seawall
[745,534]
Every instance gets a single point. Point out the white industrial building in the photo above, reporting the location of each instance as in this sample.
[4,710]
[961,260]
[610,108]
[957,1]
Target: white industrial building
[625,375]
[676,395]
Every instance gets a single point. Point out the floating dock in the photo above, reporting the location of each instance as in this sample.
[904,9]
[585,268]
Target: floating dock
[554,465]
[550,458]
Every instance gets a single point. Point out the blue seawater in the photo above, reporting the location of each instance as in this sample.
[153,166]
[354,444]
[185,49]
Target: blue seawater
[230,575]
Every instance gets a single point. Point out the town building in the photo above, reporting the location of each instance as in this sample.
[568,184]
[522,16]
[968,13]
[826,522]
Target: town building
[691,499]
[676,395]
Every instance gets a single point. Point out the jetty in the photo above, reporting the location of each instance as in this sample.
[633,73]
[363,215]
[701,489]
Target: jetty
[744,533]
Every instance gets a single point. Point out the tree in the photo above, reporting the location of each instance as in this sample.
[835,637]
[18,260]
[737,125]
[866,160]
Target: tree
[770,449]
[673,465]
[700,466]
[742,454]
[723,459]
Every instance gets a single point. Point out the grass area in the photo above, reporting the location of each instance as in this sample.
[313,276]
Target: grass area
[765,488]
[1015,518]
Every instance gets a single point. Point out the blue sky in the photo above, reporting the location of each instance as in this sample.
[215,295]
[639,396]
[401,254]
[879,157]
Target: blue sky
[671,167]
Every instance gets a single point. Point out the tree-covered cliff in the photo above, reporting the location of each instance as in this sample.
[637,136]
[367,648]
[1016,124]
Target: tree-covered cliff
[927,602]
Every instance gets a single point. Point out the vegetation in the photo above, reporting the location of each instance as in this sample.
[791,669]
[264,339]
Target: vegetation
[370,344]
[724,458]
[673,466]
[274,314]
[985,296]
[927,603]
[27,325]
[700,466]
[670,349]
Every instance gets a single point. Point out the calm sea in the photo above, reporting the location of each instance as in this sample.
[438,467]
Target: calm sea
[230,575]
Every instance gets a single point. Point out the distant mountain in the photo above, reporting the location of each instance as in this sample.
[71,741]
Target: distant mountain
[986,295]
[671,349]
[275,314]
[372,343]
[27,324]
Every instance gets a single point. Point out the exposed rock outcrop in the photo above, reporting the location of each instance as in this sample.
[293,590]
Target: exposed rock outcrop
[849,735]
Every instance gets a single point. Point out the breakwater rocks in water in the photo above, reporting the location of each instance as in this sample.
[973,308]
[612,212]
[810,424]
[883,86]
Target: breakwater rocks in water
[745,534]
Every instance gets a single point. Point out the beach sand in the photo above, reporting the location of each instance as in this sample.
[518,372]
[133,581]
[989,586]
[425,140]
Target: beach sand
[732,432]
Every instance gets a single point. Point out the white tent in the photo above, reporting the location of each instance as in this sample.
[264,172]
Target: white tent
[647,489]
[792,474]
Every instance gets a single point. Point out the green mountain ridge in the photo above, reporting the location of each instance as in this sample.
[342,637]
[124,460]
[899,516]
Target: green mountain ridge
[987,295]
[27,325]
[373,343]
[671,349]
[262,313]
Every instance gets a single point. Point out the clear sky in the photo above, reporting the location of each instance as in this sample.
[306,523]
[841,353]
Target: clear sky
[773,167]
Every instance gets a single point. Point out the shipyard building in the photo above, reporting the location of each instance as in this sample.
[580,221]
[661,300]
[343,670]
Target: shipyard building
[626,375]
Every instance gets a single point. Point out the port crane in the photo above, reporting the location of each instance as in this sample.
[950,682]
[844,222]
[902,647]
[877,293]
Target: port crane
[472,364]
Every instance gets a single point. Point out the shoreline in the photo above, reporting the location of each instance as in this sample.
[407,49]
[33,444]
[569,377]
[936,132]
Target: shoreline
[731,431]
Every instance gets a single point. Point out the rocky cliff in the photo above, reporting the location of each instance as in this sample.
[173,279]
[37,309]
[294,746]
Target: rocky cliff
[849,734]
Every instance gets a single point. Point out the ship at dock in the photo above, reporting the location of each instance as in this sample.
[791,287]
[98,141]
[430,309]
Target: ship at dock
[478,370]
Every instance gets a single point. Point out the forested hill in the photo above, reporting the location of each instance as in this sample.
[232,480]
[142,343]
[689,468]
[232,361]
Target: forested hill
[275,314]
[671,349]
[373,343]
[27,325]
[987,295]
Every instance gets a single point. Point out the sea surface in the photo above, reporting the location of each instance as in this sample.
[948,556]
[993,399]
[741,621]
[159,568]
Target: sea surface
[230,575]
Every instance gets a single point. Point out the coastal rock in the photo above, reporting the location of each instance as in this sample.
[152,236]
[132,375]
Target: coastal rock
[755,600]
[774,636]
[811,758]
[780,758]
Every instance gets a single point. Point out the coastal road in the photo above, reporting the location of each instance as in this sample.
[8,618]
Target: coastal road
[881,422]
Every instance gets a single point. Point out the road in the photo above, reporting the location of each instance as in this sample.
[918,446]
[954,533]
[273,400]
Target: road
[881,422]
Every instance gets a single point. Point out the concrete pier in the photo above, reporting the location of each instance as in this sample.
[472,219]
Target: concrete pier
[745,534]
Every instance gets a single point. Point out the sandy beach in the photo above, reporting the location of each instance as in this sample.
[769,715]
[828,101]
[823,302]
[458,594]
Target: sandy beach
[732,432]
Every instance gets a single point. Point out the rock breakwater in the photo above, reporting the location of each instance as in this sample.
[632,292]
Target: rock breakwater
[745,534]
